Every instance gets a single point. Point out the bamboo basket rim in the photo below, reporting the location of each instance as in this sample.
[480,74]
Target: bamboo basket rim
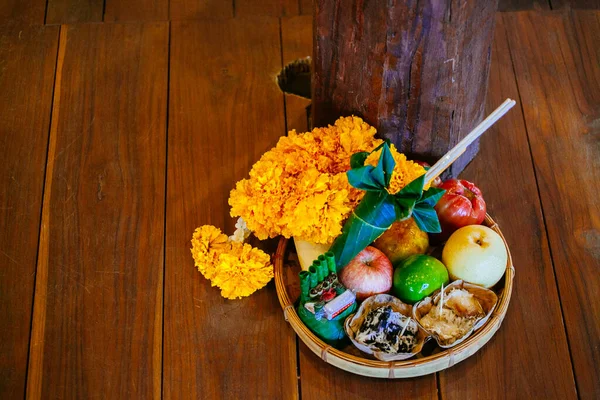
[444,359]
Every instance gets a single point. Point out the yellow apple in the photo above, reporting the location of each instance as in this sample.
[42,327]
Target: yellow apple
[402,240]
[475,254]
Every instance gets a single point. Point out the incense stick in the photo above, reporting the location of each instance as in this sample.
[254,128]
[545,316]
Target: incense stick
[405,326]
[441,304]
[451,156]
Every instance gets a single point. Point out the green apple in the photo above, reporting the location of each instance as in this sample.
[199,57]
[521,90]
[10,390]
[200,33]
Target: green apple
[476,254]
[419,276]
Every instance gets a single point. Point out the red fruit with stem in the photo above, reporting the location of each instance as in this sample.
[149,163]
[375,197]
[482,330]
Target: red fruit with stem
[461,205]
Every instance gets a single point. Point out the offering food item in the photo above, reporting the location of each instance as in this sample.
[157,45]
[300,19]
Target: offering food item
[452,315]
[369,273]
[388,331]
[308,251]
[461,205]
[401,240]
[475,254]
[417,277]
[383,326]
[324,302]
[455,318]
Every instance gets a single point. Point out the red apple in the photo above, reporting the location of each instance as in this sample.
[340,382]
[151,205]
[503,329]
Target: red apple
[461,205]
[369,273]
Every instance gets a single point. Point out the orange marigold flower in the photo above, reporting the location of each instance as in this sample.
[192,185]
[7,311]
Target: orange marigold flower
[242,270]
[236,268]
[299,188]
[207,241]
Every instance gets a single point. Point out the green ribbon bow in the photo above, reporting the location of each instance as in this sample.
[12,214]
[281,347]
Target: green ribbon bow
[379,209]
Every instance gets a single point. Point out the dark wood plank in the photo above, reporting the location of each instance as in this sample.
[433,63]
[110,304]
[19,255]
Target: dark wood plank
[273,8]
[306,7]
[557,69]
[72,11]
[520,5]
[190,9]
[139,10]
[576,4]
[586,25]
[323,381]
[22,11]
[98,305]
[296,33]
[26,77]
[225,110]
[529,356]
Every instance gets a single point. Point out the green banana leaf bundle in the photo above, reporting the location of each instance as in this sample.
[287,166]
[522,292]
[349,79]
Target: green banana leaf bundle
[379,209]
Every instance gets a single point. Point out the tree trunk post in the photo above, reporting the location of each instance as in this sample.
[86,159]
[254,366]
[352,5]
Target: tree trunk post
[416,70]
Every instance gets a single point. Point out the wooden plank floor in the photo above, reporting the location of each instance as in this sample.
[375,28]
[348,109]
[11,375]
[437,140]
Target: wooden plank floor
[216,348]
[28,60]
[98,298]
[117,139]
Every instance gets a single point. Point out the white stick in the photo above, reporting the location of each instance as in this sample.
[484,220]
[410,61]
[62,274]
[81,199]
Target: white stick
[405,326]
[460,148]
[441,301]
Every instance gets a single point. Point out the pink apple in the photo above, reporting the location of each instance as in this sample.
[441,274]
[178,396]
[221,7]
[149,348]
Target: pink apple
[369,273]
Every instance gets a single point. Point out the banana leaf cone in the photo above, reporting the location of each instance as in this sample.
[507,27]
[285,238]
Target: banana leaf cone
[373,216]
[379,209]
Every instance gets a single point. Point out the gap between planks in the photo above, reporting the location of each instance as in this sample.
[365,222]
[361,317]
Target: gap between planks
[38,321]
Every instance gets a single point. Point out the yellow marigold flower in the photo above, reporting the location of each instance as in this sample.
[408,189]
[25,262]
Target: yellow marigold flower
[299,188]
[207,240]
[405,171]
[242,270]
[238,269]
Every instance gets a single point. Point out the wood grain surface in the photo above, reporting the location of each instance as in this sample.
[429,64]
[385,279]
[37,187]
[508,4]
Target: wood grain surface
[415,71]
[532,335]
[296,35]
[27,62]
[520,5]
[306,7]
[138,10]
[576,4]
[22,12]
[73,11]
[323,381]
[225,110]
[98,307]
[558,73]
[274,8]
[191,9]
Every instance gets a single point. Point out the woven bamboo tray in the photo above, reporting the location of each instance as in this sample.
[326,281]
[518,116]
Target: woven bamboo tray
[350,359]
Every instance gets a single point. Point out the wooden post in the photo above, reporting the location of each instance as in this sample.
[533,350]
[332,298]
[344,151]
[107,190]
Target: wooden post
[416,70]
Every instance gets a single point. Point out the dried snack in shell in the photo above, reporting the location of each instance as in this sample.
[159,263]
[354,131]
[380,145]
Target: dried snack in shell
[390,329]
[465,308]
